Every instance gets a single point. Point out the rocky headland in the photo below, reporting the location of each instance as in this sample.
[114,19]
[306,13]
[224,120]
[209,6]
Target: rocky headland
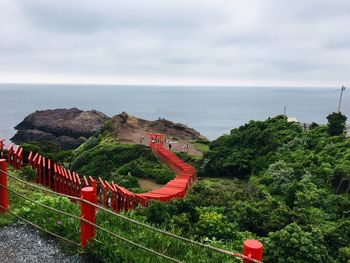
[69,128]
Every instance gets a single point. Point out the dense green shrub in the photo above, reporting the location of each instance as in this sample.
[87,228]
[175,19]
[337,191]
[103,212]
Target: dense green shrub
[294,245]
[336,123]
[236,154]
[109,160]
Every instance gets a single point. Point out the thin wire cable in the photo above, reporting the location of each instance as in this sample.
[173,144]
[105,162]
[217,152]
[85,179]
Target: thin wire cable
[219,250]
[40,228]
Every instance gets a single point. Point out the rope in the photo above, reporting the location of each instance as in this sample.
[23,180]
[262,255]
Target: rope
[41,188]
[88,222]
[218,250]
[40,204]
[132,242]
[40,228]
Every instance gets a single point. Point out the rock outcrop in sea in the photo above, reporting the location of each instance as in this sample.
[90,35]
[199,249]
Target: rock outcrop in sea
[68,128]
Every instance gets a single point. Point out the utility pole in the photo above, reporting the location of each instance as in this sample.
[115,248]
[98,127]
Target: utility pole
[341,95]
[285,111]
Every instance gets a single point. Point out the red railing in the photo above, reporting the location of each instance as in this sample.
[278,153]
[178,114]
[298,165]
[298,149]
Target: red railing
[109,194]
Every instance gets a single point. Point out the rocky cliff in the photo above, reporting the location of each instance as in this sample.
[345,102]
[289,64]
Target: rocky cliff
[130,128]
[68,128]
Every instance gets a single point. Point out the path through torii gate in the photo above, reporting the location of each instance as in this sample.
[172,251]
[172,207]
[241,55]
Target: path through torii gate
[109,194]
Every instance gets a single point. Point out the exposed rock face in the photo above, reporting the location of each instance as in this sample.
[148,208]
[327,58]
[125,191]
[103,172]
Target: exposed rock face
[130,128]
[176,130]
[68,128]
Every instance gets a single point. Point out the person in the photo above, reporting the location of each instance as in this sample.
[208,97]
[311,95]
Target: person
[169,146]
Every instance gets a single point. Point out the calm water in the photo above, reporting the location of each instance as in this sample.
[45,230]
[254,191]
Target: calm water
[213,111]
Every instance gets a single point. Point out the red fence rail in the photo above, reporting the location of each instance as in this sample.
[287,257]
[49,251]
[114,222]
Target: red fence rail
[108,194]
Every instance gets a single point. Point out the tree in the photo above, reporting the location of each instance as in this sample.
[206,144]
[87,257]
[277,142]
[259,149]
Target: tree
[336,123]
[313,125]
[294,245]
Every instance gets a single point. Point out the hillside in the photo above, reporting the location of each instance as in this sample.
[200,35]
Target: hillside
[66,129]
[267,180]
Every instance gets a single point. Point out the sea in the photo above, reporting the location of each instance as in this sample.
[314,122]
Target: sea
[213,111]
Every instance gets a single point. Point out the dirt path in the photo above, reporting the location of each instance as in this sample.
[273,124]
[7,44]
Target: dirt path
[148,184]
[135,136]
[21,243]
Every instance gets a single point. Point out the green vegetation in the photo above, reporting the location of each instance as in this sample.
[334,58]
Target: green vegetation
[202,146]
[105,247]
[278,187]
[49,150]
[101,156]
[336,123]
[284,193]
[267,180]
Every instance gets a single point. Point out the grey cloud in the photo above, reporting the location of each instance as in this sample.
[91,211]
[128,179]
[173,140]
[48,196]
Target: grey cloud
[253,40]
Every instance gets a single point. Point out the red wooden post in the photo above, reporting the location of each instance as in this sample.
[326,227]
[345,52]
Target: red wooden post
[88,212]
[3,191]
[59,179]
[15,158]
[20,158]
[79,184]
[103,186]
[49,172]
[66,179]
[9,153]
[86,181]
[55,177]
[74,184]
[110,188]
[35,160]
[39,169]
[30,158]
[43,181]
[116,197]
[70,179]
[253,249]
[2,144]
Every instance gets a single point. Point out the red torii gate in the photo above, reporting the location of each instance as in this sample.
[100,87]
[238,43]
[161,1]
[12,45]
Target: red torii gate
[156,138]
[2,145]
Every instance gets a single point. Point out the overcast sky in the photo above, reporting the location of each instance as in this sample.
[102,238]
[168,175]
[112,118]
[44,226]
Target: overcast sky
[217,42]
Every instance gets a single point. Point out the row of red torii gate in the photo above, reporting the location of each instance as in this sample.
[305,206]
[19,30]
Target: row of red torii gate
[109,194]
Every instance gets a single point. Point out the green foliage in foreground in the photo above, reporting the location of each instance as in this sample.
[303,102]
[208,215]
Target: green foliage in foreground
[101,156]
[106,248]
[278,187]
[284,195]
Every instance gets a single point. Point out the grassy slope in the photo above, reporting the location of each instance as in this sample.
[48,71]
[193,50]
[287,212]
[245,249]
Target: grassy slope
[105,248]
[103,156]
